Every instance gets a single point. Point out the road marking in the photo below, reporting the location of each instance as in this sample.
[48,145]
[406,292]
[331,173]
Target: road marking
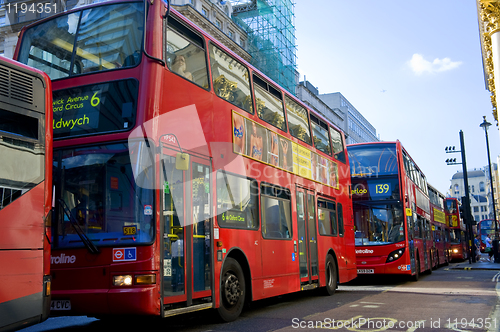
[496,277]
[495,314]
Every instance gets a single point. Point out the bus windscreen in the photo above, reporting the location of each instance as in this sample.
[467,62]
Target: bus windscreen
[373,161]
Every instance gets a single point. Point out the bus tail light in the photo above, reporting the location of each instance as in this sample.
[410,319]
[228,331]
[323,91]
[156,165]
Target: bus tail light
[125,280]
[395,255]
[145,279]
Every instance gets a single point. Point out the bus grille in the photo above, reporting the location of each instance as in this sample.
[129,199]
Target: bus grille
[16,86]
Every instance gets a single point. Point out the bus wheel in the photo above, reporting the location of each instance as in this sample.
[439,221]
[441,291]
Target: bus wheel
[232,291]
[331,276]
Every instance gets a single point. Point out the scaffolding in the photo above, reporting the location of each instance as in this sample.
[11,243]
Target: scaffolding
[270,25]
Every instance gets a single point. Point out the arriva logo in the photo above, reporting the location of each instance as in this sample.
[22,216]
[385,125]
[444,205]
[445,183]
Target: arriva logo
[364,251]
[62,259]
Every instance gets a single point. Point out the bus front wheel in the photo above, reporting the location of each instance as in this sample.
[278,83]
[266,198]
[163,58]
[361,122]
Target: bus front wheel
[232,290]
[331,276]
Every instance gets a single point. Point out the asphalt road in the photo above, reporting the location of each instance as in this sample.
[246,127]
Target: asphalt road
[451,298]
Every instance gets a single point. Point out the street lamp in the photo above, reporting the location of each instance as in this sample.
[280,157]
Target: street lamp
[485,125]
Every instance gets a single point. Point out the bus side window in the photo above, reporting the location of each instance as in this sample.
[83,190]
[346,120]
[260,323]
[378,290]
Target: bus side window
[298,121]
[338,145]
[340,219]
[276,212]
[320,135]
[186,54]
[231,80]
[269,103]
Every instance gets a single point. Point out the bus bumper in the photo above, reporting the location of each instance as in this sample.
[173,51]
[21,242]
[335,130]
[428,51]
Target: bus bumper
[102,302]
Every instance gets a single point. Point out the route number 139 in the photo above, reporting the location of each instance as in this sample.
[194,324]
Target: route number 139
[382,188]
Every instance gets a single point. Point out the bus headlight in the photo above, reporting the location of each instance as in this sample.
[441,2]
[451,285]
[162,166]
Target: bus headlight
[395,255]
[125,280]
[455,251]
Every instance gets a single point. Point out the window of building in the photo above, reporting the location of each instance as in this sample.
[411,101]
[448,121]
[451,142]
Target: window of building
[476,208]
[276,212]
[204,12]
[218,23]
[230,79]
[269,103]
[21,16]
[230,34]
[481,186]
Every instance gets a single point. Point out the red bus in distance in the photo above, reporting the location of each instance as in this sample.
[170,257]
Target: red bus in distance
[391,210]
[185,179]
[457,229]
[25,194]
[485,227]
[441,247]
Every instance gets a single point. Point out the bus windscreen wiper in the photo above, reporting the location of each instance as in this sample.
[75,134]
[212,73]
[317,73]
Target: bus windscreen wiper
[85,239]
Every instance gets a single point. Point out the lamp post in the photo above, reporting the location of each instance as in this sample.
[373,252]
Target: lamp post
[485,125]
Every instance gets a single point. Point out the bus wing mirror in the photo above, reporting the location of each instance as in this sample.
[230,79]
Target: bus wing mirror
[182,161]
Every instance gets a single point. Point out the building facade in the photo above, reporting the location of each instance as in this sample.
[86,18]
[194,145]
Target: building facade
[358,129]
[479,190]
[337,109]
[489,30]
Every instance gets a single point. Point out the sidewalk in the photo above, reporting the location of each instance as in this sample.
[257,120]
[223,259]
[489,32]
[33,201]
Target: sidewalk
[483,264]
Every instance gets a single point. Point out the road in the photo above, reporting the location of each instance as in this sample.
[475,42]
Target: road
[451,298]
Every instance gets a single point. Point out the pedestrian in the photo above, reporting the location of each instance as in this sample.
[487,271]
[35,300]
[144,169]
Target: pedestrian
[489,247]
[477,244]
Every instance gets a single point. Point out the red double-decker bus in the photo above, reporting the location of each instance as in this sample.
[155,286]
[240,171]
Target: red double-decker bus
[439,227]
[185,179]
[457,226]
[25,194]
[391,210]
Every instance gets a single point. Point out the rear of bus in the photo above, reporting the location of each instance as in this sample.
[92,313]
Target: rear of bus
[25,194]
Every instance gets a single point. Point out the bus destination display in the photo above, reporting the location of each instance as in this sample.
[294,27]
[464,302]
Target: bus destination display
[93,109]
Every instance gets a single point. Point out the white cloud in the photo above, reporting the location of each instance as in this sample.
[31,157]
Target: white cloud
[420,66]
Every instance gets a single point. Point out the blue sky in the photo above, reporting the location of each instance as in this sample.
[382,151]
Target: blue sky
[412,68]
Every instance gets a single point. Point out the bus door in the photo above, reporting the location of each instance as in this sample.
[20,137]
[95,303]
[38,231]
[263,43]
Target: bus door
[307,236]
[410,227]
[187,226]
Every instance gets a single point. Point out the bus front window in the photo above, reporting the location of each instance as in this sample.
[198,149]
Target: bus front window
[96,39]
[378,224]
[455,236]
[99,194]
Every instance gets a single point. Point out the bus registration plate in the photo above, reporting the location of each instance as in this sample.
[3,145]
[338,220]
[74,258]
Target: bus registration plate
[366,271]
[60,305]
